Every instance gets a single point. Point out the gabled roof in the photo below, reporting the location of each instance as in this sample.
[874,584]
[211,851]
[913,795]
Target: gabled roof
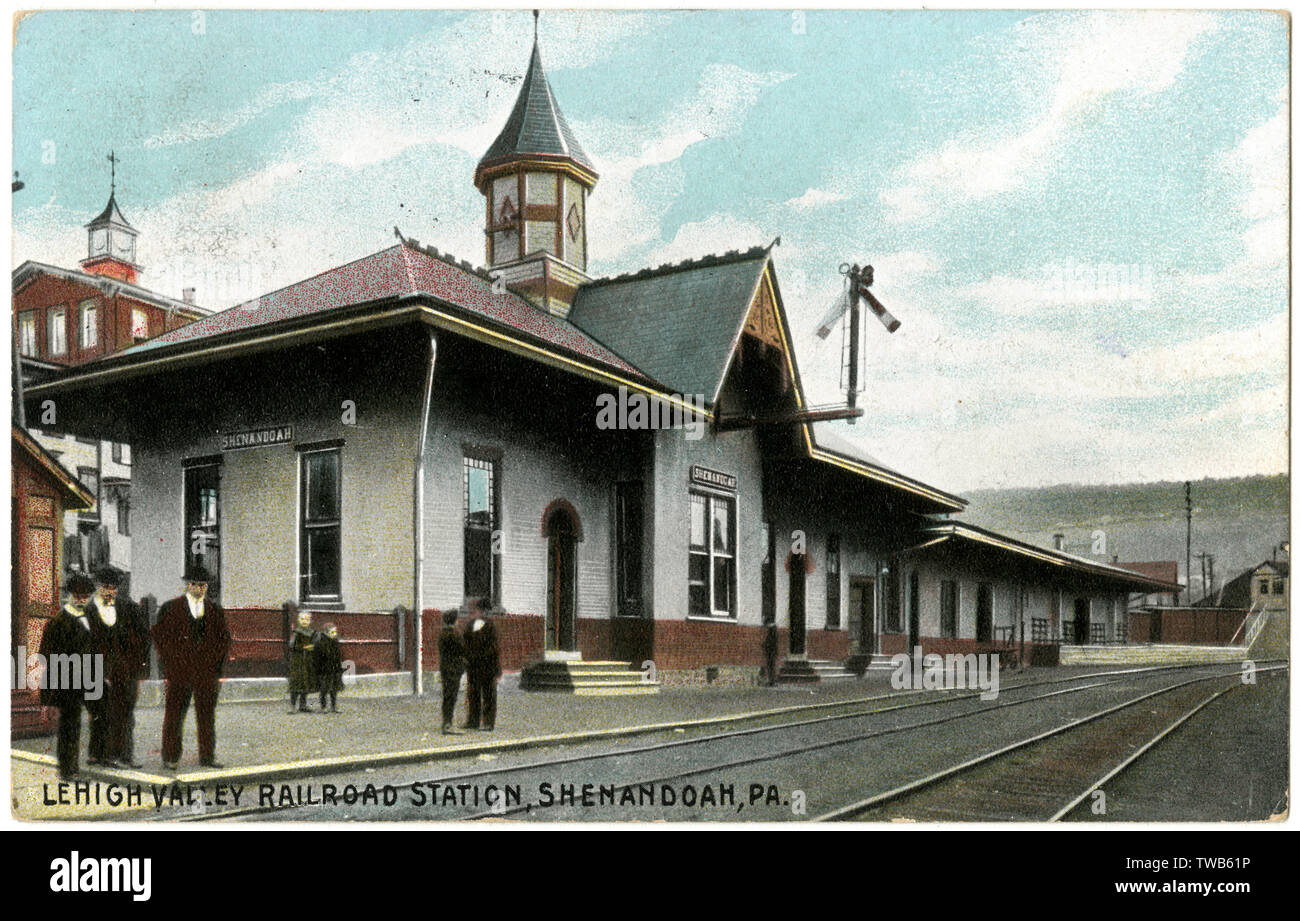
[1235,593]
[111,214]
[30,268]
[678,323]
[75,495]
[969,533]
[1164,570]
[536,126]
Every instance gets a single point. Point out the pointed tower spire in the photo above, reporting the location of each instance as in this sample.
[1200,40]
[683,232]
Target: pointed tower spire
[536,127]
[110,239]
[536,178]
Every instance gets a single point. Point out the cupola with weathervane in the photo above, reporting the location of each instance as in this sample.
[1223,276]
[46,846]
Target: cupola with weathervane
[110,240]
[536,178]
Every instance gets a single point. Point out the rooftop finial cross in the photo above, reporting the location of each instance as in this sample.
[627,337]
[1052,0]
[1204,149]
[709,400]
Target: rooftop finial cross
[112,183]
[536,15]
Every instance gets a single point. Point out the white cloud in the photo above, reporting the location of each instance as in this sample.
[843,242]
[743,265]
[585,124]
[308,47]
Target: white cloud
[206,129]
[815,197]
[1099,54]
[718,233]
[640,172]
[1260,166]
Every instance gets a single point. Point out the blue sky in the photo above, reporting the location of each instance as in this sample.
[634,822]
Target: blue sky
[1081,218]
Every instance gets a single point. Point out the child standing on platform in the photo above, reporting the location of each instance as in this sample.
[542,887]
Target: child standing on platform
[302,678]
[329,666]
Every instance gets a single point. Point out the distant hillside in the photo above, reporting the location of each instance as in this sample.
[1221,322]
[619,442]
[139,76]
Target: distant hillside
[1237,520]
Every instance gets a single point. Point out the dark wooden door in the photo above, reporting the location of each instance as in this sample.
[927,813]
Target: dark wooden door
[1081,621]
[798,623]
[562,559]
[862,615]
[913,610]
[984,613]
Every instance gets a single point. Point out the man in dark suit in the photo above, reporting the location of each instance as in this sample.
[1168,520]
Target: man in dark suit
[451,665]
[64,684]
[770,647]
[483,666]
[122,638]
[192,642]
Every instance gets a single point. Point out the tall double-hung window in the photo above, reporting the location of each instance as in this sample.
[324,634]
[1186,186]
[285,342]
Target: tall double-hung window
[482,516]
[321,527]
[89,324]
[711,573]
[57,338]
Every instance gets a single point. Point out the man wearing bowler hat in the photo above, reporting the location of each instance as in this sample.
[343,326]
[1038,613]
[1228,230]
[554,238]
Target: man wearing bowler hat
[192,642]
[122,636]
[65,685]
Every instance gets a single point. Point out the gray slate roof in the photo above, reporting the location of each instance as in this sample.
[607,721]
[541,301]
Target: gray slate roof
[676,323]
[111,214]
[536,125]
[828,439]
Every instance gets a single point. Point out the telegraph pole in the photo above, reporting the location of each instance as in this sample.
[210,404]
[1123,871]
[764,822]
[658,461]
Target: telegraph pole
[1205,585]
[1188,488]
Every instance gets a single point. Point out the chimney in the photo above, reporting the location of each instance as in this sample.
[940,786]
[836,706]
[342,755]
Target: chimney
[1058,541]
[187,295]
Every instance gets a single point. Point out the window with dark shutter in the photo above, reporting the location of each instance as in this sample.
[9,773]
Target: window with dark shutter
[948,608]
[628,538]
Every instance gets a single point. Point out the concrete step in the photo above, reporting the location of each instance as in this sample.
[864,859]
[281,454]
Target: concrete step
[599,678]
[797,671]
[831,671]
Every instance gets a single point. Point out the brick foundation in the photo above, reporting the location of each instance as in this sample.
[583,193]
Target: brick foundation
[259,641]
[521,638]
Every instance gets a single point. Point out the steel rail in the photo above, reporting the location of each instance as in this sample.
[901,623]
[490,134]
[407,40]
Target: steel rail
[1113,676]
[854,809]
[530,807]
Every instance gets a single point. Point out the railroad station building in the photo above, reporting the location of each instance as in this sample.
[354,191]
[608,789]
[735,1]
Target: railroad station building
[627,467]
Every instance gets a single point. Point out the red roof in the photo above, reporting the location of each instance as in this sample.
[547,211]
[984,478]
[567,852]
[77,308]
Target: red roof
[1164,570]
[395,272]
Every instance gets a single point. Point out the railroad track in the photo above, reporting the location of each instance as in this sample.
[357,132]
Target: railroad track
[1050,775]
[966,709]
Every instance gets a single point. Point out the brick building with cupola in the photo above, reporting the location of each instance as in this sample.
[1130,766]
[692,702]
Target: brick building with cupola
[406,430]
[64,318]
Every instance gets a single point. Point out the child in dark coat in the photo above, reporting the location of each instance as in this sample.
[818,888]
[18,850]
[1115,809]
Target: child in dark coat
[302,678]
[328,659]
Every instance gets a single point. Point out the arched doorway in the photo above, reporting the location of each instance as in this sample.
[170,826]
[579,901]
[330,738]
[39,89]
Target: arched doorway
[562,534]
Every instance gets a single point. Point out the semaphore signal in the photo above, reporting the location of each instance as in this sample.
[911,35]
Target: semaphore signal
[857,290]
